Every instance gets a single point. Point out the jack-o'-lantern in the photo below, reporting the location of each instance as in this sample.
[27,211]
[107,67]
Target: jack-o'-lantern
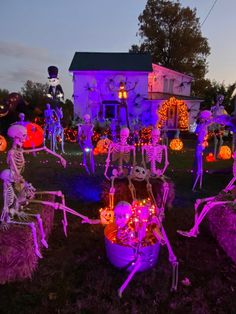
[103,145]
[3,143]
[176,144]
[34,136]
[225,152]
[106,215]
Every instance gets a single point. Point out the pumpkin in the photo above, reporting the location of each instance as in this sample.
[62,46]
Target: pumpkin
[34,136]
[103,145]
[176,144]
[106,215]
[225,152]
[3,143]
[210,157]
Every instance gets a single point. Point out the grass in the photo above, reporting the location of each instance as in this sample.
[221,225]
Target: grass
[76,277]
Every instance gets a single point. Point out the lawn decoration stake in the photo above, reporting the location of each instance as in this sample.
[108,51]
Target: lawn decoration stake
[85,133]
[120,151]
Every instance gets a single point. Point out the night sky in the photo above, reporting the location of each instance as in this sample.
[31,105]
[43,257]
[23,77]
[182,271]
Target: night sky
[34,35]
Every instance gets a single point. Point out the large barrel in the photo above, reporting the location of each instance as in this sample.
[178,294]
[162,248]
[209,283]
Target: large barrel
[124,256]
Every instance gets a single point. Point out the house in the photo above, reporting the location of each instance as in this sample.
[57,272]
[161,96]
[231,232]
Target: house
[128,87]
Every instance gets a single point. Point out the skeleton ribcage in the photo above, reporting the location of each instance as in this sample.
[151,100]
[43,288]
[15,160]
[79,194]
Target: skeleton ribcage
[154,153]
[9,196]
[121,152]
[18,157]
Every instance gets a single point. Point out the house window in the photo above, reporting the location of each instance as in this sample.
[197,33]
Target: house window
[165,88]
[110,109]
[171,86]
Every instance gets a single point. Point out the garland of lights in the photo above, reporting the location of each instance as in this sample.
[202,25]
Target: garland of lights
[182,109]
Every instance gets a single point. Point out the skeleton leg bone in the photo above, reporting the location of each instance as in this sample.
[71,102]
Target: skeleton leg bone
[129,278]
[40,223]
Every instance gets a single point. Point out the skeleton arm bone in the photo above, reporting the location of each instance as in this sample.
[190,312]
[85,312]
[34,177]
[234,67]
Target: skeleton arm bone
[166,159]
[108,160]
[63,161]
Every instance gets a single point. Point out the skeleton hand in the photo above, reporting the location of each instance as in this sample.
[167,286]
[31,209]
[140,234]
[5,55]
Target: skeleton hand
[86,220]
[22,216]
[159,172]
[63,162]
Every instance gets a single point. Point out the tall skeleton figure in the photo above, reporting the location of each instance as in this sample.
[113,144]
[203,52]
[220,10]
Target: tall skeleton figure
[154,154]
[120,151]
[205,118]
[85,133]
[217,110]
[13,210]
[48,127]
[58,130]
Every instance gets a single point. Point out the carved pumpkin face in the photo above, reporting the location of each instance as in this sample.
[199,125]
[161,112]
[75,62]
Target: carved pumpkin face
[176,144]
[106,215]
[225,152]
[138,173]
[103,145]
[3,143]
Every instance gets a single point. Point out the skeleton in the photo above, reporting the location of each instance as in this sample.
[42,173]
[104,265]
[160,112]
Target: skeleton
[202,132]
[217,110]
[154,154]
[229,186]
[58,131]
[49,121]
[120,151]
[13,210]
[85,132]
[209,203]
[145,219]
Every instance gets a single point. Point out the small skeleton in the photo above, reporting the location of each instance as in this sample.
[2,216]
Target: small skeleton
[58,130]
[120,151]
[217,110]
[209,203]
[13,209]
[85,133]
[48,128]
[154,154]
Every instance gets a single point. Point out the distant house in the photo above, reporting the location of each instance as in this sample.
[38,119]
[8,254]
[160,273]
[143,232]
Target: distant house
[106,84]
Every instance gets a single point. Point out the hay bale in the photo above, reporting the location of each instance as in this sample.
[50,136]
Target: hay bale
[222,223]
[17,256]
[123,192]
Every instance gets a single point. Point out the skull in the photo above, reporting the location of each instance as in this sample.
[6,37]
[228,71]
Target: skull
[21,117]
[138,173]
[6,176]
[155,135]
[87,118]
[106,216]
[18,133]
[124,134]
[123,212]
[220,98]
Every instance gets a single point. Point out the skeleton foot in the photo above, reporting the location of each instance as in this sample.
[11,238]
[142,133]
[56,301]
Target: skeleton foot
[4,226]
[44,243]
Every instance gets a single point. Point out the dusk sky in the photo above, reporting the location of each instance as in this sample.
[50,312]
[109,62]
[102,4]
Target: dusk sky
[36,34]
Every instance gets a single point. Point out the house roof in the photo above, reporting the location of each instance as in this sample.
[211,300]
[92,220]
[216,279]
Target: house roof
[165,96]
[111,61]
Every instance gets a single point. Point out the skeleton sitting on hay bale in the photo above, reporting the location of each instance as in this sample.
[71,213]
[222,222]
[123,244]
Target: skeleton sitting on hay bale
[134,230]
[19,194]
[221,216]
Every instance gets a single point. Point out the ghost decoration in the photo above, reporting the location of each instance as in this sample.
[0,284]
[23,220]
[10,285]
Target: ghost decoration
[55,91]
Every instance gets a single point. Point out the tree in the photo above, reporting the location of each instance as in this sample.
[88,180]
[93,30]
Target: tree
[172,34]
[34,95]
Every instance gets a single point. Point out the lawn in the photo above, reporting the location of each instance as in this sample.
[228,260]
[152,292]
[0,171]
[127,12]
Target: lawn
[75,275]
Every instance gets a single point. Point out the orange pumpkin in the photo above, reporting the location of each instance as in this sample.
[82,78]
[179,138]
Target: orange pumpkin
[176,144]
[3,143]
[103,145]
[34,136]
[225,152]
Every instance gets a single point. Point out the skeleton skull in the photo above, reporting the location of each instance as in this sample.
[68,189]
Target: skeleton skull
[155,136]
[138,173]
[123,212]
[124,134]
[18,133]
[87,118]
